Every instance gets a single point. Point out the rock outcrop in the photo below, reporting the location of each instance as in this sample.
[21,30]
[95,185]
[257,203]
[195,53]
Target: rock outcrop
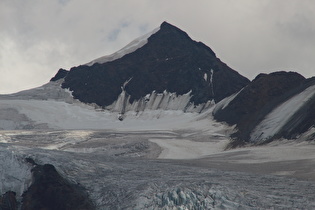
[8,201]
[50,190]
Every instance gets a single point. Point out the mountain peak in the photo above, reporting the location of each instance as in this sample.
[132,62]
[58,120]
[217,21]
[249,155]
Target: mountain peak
[165,60]
[165,26]
[166,33]
[165,23]
[173,36]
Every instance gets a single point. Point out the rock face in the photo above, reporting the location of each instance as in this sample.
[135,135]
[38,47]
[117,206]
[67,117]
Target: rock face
[8,201]
[51,191]
[280,104]
[170,61]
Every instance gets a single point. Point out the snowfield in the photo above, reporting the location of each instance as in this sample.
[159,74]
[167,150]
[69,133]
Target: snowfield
[187,149]
[62,115]
[52,107]
[152,159]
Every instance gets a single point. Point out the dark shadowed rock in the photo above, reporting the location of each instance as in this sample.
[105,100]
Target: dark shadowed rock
[62,73]
[50,191]
[170,61]
[8,201]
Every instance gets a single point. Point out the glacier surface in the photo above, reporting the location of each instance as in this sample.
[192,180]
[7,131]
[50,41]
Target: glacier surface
[125,170]
[155,158]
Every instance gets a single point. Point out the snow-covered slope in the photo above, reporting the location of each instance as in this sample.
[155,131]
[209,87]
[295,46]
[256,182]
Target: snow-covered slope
[129,48]
[48,91]
[27,114]
[50,106]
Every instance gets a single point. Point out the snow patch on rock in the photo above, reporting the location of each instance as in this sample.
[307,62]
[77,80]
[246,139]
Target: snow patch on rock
[225,102]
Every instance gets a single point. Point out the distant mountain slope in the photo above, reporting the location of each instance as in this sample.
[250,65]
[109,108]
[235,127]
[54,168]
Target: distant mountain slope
[280,104]
[163,62]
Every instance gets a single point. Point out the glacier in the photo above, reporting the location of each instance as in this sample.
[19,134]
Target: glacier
[157,157]
[124,170]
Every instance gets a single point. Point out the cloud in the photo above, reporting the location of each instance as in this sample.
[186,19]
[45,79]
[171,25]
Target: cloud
[252,36]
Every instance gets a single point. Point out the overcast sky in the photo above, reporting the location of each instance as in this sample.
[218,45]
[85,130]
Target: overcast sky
[37,37]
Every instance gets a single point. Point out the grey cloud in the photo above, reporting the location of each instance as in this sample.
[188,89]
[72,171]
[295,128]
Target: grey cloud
[300,28]
[252,36]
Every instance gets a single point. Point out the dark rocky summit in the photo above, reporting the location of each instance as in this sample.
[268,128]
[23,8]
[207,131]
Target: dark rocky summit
[50,191]
[170,61]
